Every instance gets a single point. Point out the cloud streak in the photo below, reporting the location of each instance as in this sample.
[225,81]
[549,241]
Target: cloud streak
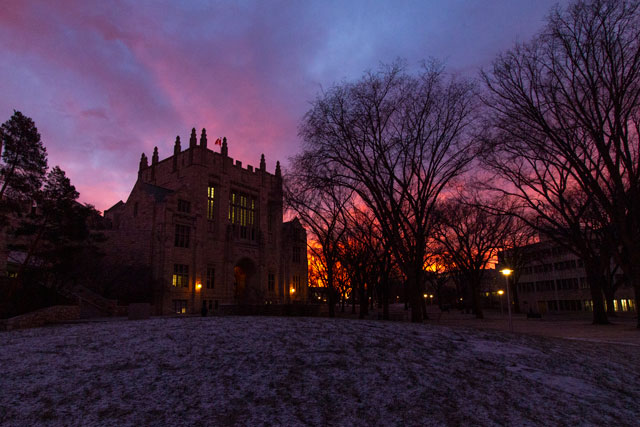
[106,81]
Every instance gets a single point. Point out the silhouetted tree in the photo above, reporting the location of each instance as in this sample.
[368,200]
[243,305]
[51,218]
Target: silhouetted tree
[396,140]
[24,160]
[566,114]
[57,233]
[471,237]
[320,205]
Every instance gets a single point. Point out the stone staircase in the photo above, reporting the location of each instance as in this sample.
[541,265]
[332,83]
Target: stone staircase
[91,304]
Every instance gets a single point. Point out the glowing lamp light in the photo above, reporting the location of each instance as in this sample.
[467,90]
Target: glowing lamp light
[500,292]
[506,271]
[431,296]
[425,295]
[293,290]
[198,286]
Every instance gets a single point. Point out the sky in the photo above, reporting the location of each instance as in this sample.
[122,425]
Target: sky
[106,81]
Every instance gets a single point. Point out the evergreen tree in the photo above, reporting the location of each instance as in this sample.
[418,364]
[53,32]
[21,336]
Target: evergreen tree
[24,159]
[60,223]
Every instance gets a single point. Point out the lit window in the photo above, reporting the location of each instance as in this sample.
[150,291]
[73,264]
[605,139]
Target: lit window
[180,275]
[211,191]
[180,306]
[242,214]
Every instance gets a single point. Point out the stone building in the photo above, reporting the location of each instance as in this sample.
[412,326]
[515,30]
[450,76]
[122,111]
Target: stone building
[210,231]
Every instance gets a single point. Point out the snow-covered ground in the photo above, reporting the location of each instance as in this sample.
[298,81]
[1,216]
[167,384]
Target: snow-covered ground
[301,371]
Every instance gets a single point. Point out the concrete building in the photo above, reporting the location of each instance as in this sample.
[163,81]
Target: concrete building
[553,279]
[210,231]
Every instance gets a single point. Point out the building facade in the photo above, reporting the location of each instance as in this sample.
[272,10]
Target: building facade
[554,280]
[210,231]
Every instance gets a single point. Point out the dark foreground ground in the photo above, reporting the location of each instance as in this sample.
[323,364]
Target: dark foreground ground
[310,371]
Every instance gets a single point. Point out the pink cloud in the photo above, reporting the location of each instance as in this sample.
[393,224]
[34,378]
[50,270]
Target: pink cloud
[105,81]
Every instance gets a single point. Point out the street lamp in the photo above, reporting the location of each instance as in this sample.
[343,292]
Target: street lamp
[501,292]
[507,272]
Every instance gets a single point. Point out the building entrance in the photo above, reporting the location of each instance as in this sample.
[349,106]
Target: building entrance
[246,283]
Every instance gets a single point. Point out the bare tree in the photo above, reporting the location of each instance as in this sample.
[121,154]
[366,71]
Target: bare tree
[471,237]
[366,257]
[397,140]
[320,206]
[569,101]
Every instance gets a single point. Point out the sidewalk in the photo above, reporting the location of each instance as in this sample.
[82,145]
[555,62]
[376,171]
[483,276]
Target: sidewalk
[571,326]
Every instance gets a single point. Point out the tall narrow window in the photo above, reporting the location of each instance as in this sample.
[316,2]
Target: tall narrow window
[211,192]
[180,275]
[211,277]
[242,214]
[296,254]
[271,284]
[182,236]
[184,206]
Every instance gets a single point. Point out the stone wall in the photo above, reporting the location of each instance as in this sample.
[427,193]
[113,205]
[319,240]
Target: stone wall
[55,314]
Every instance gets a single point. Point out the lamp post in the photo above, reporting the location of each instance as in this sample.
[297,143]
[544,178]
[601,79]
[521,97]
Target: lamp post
[507,272]
[501,292]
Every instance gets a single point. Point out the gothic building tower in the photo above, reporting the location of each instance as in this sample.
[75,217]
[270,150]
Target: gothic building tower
[209,230]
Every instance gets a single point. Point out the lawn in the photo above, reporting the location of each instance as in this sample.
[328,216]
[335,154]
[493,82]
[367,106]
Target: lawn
[300,371]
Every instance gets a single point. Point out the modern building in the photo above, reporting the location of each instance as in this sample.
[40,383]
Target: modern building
[553,279]
[209,230]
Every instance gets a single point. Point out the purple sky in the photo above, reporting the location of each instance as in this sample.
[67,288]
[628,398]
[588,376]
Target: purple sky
[105,81]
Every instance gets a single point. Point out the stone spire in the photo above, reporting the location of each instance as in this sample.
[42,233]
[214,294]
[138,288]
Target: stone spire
[176,151]
[193,141]
[224,150]
[203,138]
[154,158]
[154,162]
[144,163]
[263,164]
[278,172]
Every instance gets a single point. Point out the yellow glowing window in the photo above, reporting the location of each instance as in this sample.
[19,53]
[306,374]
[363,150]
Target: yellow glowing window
[242,213]
[615,304]
[211,191]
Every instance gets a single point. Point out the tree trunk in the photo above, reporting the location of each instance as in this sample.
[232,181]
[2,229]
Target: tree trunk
[364,304]
[631,268]
[385,300]
[595,278]
[476,300]
[634,277]
[417,316]
[331,292]
[353,299]
[609,292]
